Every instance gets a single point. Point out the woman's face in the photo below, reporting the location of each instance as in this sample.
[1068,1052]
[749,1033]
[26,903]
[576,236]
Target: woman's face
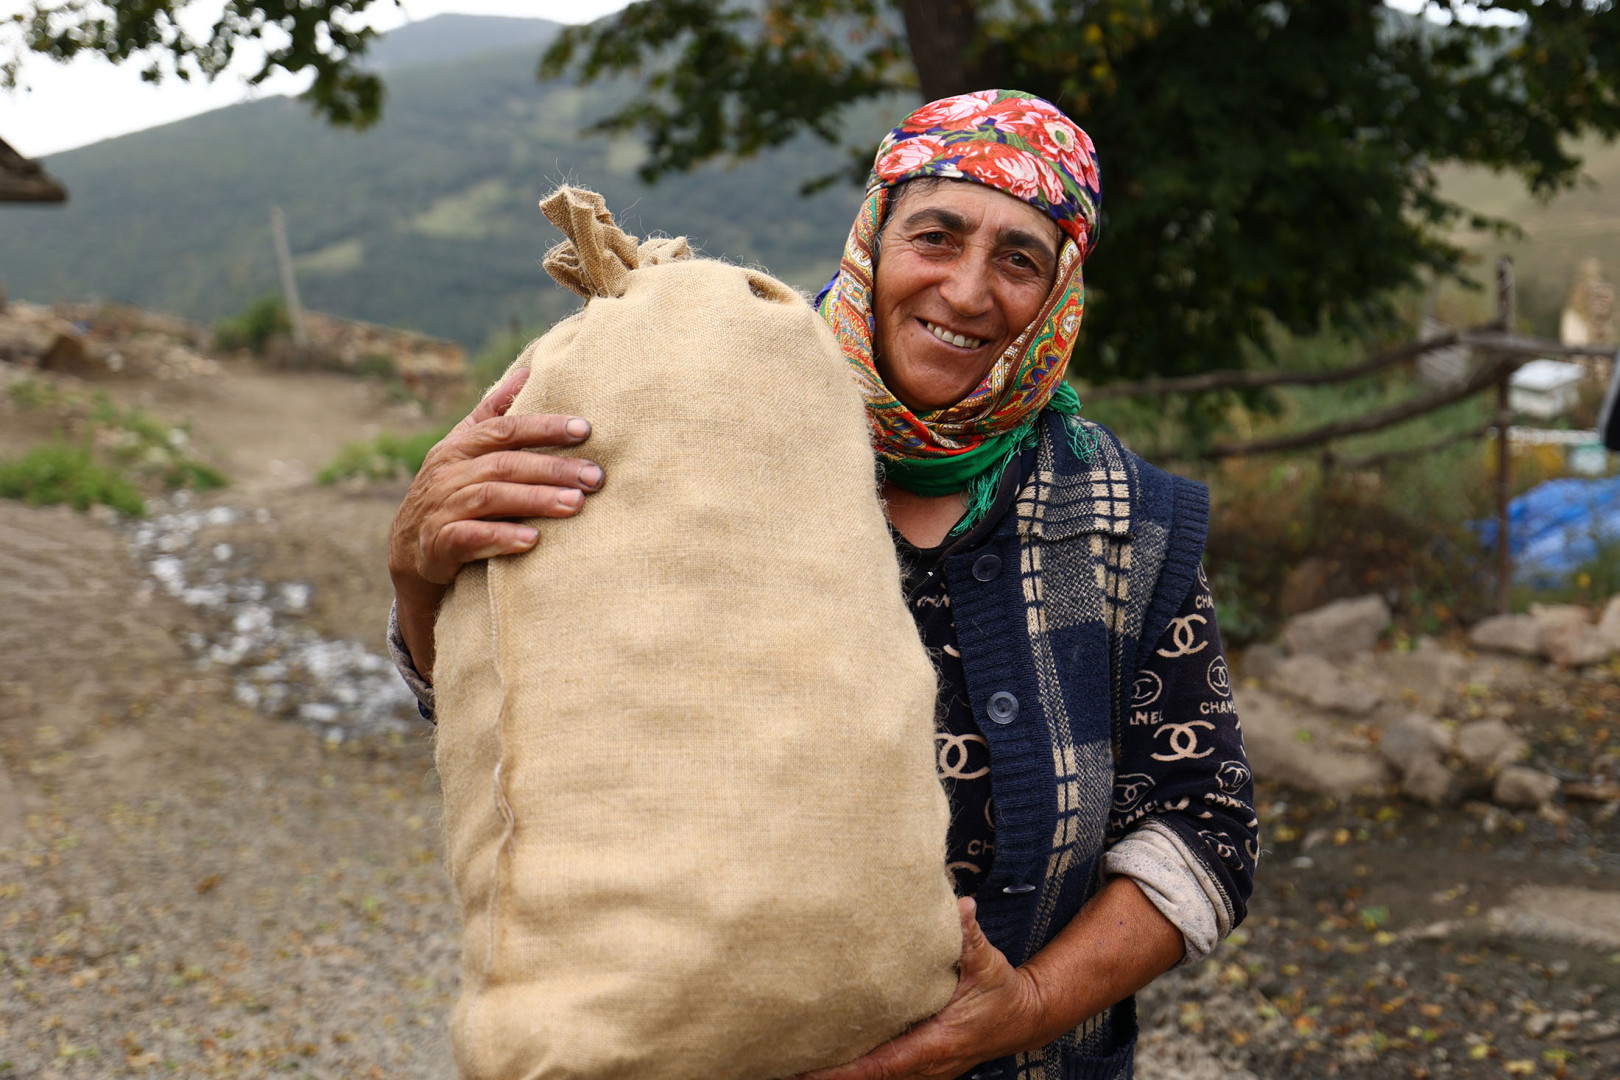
[962,270]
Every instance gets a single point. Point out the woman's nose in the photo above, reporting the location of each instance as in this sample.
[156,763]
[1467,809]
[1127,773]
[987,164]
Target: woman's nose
[967,286]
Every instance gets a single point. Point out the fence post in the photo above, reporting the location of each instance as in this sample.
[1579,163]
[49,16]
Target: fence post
[289,280]
[1504,456]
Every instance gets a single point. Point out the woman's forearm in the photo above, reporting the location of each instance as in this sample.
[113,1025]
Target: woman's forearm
[1117,944]
[416,604]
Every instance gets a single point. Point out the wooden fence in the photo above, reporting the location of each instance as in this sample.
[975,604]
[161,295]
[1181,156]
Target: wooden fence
[1501,353]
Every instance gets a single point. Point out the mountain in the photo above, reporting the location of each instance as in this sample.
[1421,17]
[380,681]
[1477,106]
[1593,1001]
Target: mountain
[426,221]
[444,38]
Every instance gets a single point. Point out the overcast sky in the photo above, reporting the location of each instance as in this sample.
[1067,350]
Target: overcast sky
[71,105]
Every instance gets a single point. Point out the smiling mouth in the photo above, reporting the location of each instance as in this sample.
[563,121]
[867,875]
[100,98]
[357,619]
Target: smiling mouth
[961,341]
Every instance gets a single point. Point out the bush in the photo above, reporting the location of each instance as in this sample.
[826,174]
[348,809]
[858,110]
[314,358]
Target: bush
[387,457]
[59,472]
[254,326]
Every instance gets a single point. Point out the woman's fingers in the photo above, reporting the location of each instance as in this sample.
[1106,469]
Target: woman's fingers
[463,542]
[499,499]
[521,432]
[520,467]
[498,400]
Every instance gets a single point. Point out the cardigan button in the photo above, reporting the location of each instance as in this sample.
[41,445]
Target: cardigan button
[1019,889]
[986,567]
[1003,707]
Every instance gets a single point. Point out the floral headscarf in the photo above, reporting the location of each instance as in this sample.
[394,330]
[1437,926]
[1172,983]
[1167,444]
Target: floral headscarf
[1025,147]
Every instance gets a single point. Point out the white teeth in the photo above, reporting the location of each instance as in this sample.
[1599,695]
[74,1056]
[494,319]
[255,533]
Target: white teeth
[959,340]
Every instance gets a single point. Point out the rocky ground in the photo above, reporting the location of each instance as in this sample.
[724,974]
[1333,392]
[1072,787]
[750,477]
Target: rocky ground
[219,849]
[1441,891]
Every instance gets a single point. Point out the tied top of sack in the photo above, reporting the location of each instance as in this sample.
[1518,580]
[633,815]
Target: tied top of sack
[598,256]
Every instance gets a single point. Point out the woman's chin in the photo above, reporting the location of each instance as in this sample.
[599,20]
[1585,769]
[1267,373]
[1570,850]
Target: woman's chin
[933,400]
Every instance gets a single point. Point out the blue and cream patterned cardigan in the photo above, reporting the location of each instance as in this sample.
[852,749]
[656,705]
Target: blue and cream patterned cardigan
[1095,560]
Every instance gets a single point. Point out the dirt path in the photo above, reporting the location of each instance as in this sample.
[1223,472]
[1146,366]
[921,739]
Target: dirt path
[208,868]
[188,887]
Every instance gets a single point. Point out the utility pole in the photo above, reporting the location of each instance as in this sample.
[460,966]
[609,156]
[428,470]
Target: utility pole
[1505,307]
[289,283]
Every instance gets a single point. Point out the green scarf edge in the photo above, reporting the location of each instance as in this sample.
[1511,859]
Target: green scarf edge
[977,473]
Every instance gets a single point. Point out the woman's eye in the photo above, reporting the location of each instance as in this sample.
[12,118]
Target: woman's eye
[934,239]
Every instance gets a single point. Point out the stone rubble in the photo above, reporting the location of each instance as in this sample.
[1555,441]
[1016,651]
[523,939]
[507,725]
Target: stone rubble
[1521,788]
[97,341]
[1490,744]
[1318,681]
[1338,630]
[1324,712]
[280,667]
[1516,634]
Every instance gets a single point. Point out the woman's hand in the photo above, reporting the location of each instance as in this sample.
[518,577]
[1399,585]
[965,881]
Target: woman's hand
[995,1011]
[478,476]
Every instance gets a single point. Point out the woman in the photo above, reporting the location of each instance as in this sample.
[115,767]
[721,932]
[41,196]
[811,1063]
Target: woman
[1102,820]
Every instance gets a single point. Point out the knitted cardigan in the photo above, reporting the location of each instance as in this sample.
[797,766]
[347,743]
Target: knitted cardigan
[1094,560]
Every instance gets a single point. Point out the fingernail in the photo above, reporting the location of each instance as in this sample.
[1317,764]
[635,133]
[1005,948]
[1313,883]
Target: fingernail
[578,428]
[591,476]
[571,497]
[529,537]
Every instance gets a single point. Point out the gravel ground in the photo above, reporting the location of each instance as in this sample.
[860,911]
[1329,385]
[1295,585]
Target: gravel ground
[220,850]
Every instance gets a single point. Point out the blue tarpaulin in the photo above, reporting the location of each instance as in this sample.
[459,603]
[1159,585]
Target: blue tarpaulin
[1558,526]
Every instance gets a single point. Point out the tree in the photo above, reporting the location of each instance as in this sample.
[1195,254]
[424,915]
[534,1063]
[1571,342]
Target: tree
[322,36]
[1263,163]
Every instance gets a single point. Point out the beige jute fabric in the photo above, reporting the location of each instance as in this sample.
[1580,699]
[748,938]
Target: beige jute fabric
[686,743]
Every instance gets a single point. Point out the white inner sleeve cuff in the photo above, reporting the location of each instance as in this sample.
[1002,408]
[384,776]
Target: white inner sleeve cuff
[402,660]
[1175,882]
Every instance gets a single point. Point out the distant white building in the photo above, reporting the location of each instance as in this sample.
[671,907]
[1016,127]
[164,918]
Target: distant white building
[1545,389]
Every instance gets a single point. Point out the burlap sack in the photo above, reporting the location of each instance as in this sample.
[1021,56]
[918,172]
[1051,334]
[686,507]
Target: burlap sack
[686,743]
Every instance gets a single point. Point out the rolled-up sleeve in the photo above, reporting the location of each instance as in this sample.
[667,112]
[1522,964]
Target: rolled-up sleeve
[407,667]
[1183,823]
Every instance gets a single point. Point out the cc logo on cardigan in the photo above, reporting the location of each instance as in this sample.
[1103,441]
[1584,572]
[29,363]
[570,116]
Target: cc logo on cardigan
[1184,637]
[1183,741]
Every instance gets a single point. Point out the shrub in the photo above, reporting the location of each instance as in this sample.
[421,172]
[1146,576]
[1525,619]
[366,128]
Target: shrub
[59,472]
[254,326]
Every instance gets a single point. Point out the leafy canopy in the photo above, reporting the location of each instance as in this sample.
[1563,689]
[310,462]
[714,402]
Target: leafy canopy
[325,37]
[1263,163]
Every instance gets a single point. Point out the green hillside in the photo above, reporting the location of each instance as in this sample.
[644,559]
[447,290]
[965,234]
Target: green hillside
[427,221]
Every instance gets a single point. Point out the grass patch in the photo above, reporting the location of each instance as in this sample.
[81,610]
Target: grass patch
[386,457]
[103,454]
[60,472]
